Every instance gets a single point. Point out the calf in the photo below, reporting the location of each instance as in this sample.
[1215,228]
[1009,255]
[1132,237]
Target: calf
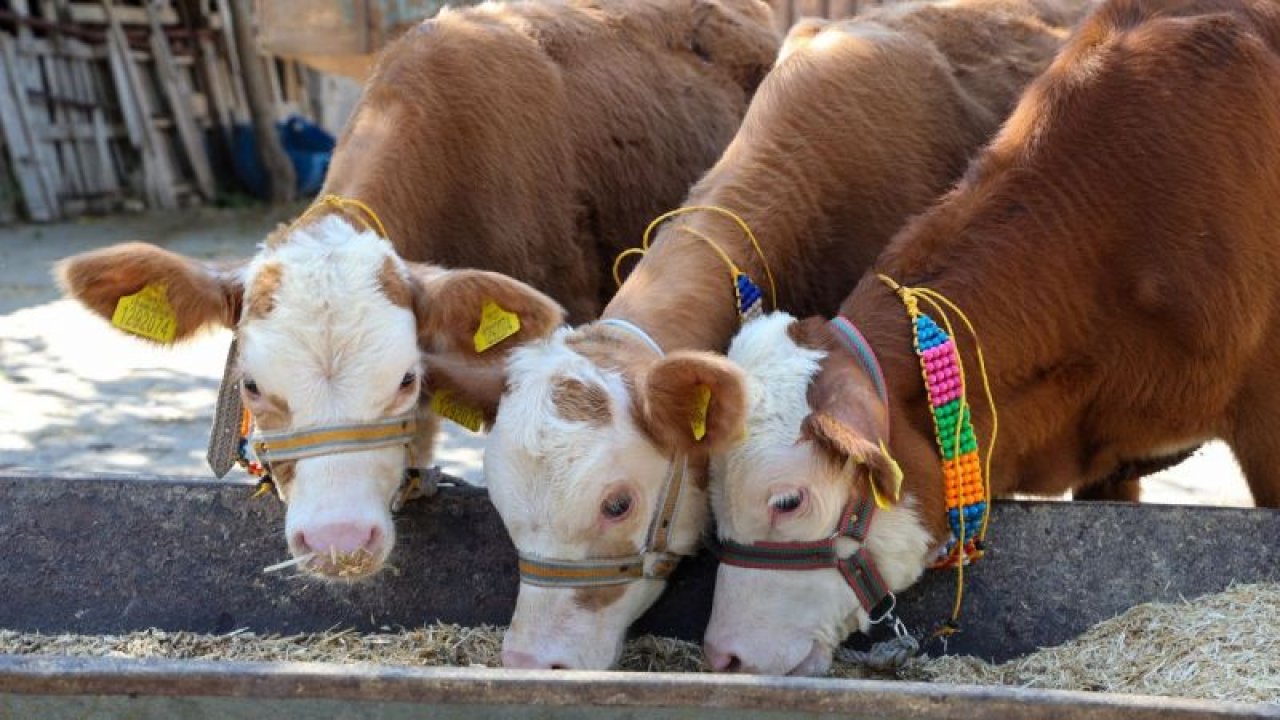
[592,462]
[1115,249]
[530,140]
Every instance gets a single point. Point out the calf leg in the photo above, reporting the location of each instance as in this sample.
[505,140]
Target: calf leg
[1255,440]
[1121,486]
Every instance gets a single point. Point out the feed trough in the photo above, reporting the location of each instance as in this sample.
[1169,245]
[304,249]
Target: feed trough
[113,555]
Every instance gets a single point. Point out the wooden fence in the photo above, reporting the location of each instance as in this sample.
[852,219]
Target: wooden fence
[115,104]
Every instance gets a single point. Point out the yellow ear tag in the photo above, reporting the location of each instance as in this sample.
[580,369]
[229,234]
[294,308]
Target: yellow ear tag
[147,313]
[445,404]
[701,401]
[897,480]
[496,325]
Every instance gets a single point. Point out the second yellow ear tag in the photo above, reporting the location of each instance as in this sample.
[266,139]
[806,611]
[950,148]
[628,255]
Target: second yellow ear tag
[147,313]
[496,325]
[445,404]
[701,401]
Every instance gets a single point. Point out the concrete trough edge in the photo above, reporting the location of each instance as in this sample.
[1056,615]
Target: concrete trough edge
[103,554]
[645,693]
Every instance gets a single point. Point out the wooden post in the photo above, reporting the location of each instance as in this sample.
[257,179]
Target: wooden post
[280,173]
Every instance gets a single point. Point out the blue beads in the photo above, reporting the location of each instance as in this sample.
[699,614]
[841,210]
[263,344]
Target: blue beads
[928,334]
[972,520]
[749,296]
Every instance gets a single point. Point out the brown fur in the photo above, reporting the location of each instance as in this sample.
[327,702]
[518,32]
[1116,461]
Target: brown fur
[577,401]
[548,133]
[862,124]
[393,284]
[534,139]
[199,295]
[668,393]
[262,293]
[270,412]
[1116,250]
[848,420]
[593,599]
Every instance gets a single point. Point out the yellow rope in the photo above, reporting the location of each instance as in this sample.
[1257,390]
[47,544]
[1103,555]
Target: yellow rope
[733,268]
[343,204]
[940,304]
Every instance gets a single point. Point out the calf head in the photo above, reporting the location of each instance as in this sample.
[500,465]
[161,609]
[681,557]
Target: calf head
[587,436]
[333,329]
[814,446]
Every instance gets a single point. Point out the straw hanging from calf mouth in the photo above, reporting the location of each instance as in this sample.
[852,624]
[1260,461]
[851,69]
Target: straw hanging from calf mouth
[289,563]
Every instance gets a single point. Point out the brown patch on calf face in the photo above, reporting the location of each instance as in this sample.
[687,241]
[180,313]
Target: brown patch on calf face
[270,412]
[577,401]
[393,284]
[592,599]
[262,293]
[282,475]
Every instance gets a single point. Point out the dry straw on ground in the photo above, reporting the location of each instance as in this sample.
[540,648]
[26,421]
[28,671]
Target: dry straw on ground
[1221,647]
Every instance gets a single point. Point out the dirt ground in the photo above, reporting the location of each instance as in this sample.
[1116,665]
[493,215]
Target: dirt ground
[75,395]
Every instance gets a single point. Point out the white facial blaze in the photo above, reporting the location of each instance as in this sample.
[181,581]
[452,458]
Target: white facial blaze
[547,477]
[334,349]
[775,621]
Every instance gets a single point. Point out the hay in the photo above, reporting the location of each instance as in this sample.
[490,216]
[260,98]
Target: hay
[1219,647]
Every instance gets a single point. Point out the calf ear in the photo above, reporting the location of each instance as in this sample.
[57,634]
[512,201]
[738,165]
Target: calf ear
[199,295]
[469,321]
[847,419]
[694,402]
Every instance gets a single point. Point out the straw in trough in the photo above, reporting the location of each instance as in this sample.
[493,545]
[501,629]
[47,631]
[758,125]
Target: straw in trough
[1217,647]
[1220,647]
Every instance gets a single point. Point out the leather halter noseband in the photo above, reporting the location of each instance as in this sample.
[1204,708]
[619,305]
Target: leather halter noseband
[654,561]
[858,569]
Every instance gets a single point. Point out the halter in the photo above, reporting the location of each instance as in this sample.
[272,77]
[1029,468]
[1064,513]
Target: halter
[654,561]
[858,568]
[228,448]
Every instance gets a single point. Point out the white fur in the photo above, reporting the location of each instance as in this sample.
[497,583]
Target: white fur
[777,621]
[548,476]
[335,348]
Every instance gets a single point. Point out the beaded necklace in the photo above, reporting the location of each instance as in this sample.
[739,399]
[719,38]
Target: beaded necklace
[966,477]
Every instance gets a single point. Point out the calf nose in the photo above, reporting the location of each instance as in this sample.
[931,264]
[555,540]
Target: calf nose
[340,537]
[721,660]
[529,661]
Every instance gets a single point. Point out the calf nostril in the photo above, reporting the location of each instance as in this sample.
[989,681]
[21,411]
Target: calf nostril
[374,543]
[300,541]
[721,661]
[559,666]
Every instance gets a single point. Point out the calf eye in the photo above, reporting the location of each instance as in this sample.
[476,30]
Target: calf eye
[786,502]
[616,505]
[407,381]
[251,387]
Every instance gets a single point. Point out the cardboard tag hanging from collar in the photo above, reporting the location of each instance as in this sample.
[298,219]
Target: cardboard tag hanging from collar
[224,434]
[496,325]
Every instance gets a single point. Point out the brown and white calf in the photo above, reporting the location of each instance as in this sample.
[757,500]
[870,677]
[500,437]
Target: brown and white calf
[532,140]
[1116,248]
[859,125]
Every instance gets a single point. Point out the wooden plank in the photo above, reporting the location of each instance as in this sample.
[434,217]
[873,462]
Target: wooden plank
[94,14]
[63,688]
[178,92]
[37,191]
[158,176]
[217,88]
